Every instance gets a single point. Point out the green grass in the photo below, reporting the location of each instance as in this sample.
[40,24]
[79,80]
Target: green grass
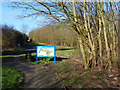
[45,60]
[7,58]
[61,47]
[76,81]
[84,75]
[11,78]
[12,52]
[67,52]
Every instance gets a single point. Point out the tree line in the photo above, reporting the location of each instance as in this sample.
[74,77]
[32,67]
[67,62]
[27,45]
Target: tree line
[94,23]
[12,38]
[54,34]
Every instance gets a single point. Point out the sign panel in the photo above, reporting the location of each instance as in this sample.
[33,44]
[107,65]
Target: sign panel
[45,51]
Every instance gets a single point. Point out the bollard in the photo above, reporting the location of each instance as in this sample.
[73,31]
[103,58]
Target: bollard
[28,55]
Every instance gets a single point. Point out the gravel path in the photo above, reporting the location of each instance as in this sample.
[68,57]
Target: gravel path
[35,76]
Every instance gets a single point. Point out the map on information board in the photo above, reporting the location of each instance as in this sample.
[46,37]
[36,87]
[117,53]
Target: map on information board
[45,51]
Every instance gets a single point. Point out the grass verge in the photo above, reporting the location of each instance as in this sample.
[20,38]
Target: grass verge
[11,78]
[73,75]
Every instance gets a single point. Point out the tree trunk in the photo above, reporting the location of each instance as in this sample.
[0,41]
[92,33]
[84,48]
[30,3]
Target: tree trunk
[83,53]
[100,43]
[90,37]
[80,37]
[105,35]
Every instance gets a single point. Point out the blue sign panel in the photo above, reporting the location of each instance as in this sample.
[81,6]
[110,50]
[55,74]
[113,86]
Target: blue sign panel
[45,51]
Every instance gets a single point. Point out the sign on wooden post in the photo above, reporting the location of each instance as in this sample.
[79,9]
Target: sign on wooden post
[45,51]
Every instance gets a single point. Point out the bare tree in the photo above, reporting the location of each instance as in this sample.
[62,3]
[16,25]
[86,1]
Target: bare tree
[89,21]
[24,28]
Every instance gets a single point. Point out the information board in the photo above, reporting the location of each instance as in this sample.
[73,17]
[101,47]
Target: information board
[45,51]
